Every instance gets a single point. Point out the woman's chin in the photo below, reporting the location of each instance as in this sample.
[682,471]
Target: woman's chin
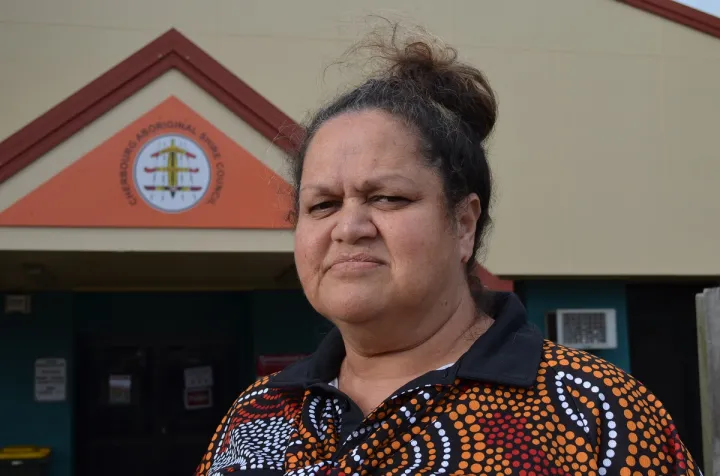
[353,304]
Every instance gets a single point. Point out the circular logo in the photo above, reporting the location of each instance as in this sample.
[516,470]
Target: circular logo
[172,173]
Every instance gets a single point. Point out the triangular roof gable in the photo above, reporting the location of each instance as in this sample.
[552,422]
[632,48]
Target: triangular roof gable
[172,50]
[170,168]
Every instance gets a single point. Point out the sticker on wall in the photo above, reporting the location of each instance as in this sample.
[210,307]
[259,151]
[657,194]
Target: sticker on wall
[171,168]
[120,391]
[50,380]
[270,364]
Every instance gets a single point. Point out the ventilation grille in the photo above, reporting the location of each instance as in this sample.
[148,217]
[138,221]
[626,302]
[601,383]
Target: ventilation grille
[586,328]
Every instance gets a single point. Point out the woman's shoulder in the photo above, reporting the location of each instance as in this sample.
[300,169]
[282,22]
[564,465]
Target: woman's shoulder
[583,368]
[607,401]
[260,418]
[583,372]
[262,400]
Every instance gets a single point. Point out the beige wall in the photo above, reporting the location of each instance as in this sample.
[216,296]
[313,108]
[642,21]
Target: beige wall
[605,154]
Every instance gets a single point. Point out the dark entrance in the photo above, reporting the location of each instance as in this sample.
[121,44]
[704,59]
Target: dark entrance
[663,350]
[136,414]
[151,388]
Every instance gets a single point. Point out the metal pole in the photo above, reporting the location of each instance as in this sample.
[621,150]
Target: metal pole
[708,329]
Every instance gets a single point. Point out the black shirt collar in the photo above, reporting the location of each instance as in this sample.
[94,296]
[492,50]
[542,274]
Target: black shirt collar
[508,353]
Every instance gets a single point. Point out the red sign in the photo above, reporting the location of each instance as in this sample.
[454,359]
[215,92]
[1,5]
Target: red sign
[270,364]
[197,398]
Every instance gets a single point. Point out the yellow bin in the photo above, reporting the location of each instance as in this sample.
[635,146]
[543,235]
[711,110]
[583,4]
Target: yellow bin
[24,460]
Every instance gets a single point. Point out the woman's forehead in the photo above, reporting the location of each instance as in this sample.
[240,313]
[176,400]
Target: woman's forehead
[361,132]
[365,172]
[373,180]
[362,142]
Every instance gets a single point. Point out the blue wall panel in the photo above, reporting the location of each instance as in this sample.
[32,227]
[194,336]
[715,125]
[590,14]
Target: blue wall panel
[543,296]
[47,332]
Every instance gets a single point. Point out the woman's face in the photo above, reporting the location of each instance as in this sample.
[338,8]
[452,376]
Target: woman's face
[373,236]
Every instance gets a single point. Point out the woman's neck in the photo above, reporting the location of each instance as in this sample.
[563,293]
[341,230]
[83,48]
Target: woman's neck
[375,367]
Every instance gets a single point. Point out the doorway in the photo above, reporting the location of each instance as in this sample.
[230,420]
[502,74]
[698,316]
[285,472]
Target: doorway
[663,342]
[148,407]
[155,374]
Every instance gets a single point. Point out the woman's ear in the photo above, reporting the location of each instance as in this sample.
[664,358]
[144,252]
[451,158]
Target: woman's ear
[467,215]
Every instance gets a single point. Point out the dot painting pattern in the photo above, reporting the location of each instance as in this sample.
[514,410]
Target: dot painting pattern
[582,416]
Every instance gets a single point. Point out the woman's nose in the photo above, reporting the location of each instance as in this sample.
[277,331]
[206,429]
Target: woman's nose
[354,223]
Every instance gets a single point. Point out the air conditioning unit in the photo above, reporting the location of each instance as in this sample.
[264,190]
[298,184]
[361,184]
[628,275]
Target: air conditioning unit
[586,328]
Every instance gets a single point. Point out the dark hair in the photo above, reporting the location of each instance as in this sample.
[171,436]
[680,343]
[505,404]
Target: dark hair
[448,103]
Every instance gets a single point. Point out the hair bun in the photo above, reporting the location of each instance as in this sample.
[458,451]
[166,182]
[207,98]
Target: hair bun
[418,58]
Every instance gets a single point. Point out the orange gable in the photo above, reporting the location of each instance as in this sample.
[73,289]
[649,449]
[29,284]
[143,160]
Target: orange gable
[169,169]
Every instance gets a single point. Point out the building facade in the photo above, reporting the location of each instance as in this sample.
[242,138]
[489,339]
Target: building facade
[145,257]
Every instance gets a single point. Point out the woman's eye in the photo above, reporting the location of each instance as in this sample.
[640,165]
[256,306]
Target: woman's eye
[389,199]
[323,206]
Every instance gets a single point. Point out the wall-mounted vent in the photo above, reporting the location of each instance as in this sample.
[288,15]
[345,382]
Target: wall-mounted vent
[586,328]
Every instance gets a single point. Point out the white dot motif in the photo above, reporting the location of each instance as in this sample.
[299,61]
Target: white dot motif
[580,419]
[259,444]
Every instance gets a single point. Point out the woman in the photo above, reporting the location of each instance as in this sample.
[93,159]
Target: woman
[424,373]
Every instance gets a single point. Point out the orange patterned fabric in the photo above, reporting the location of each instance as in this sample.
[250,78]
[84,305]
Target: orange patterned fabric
[580,416]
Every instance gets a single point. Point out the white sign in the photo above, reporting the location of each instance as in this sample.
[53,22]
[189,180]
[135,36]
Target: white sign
[50,380]
[120,390]
[196,377]
[172,173]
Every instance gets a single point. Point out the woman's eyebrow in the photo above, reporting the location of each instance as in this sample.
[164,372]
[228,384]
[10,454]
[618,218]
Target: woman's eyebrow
[321,189]
[385,179]
[371,183]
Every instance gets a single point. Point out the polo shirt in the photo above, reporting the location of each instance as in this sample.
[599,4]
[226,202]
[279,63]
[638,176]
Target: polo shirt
[513,404]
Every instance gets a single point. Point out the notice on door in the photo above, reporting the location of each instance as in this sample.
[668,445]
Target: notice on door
[198,377]
[120,392]
[50,380]
[198,387]
[198,398]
